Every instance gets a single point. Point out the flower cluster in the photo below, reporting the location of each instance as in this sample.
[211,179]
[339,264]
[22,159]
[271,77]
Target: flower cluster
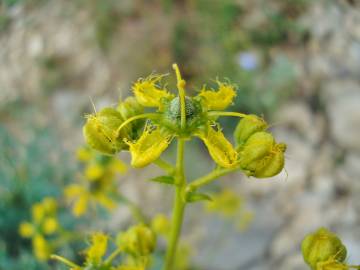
[44,225]
[112,130]
[135,245]
[97,182]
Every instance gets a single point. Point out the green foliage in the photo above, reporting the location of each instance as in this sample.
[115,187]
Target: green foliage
[25,178]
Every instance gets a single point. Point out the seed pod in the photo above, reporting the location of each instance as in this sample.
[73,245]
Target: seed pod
[322,246]
[138,240]
[100,131]
[130,107]
[247,127]
[272,164]
[256,148]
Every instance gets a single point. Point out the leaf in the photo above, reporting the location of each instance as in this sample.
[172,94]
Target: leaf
[164,179]
[195,197]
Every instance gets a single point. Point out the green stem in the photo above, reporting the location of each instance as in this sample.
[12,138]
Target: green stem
[167,167]
[220,113]
[64,261]
[113,255]
[179,207]
[212,176]
[136,117]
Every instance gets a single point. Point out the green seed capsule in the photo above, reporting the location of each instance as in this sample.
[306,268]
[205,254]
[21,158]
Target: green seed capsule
[100,131]
[256,148]
[272,164]
[322,246]
[247,127]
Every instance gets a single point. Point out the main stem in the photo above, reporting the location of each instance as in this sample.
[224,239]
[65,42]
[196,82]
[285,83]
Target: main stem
[179,207]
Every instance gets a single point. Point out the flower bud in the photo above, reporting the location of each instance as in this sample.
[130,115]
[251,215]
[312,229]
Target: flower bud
[138,240]
[322,246]
[100,131]
[247,127]
[261,157]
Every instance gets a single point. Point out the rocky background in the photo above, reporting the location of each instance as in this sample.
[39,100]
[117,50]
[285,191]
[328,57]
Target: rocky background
[297,62]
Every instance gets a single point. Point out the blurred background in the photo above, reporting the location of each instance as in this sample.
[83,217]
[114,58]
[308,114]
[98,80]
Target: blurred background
[296,62]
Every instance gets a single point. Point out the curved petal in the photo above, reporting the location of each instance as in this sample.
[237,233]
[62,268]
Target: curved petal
[220,99]
[147,92]
[220,149]
[149,147]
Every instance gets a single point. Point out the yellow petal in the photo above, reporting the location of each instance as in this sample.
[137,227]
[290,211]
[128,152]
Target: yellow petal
[148,93]
[41,248]
[38,212]
[97,249]
[105,201]
[50,225]
[73,191]
[220,99]
[84,154]
[94,171]
[118,166]
[149,147]
[220,149]
[49,204]
[26,229]
[81,205]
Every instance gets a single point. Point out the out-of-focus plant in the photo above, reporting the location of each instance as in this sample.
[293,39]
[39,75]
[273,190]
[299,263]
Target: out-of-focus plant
[97,184]
[25,179]
[178,117]
[42,227]
[323,250]
[136,245]
[230,206]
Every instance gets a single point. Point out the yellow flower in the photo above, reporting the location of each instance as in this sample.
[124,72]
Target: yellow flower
[117,166]
[94,171]
[138,240]
[50,225]
[97,250]
[148,93]
[84,154]
[50,205]
[41,248]
[227,202]
[149,146]
[220,149]
[38,212]
[220,99]
[26,229]
[161,224]
[82,197]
